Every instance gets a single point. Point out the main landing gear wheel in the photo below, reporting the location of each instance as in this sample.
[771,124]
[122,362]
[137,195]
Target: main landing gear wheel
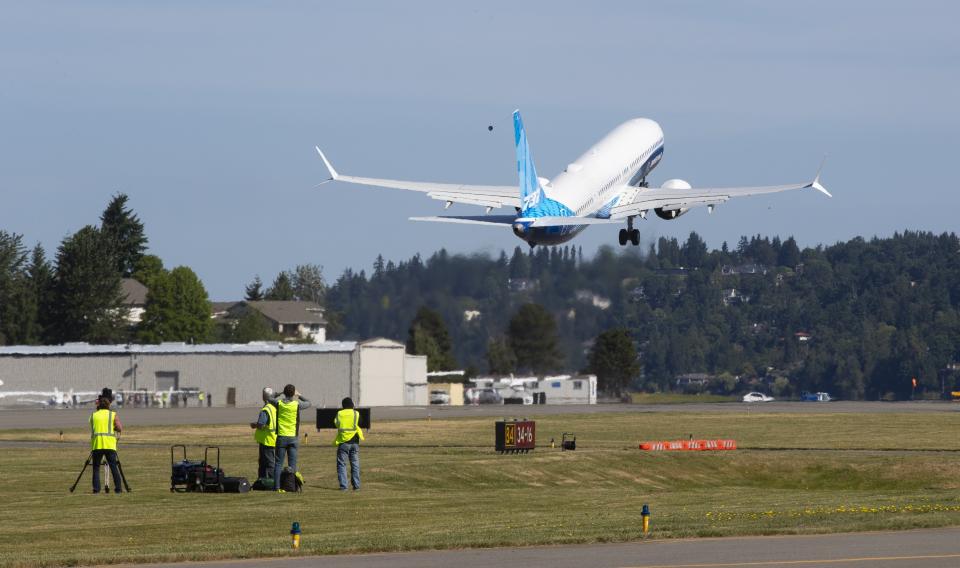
[631,235]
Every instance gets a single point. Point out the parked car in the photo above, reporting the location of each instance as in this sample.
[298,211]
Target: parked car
[815,396]
[439,397]
[756,397]
[489,396]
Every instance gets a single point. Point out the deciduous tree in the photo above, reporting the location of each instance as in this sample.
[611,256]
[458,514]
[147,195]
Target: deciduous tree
[177,309]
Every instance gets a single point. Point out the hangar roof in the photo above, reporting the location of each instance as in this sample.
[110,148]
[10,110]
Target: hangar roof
[178,348]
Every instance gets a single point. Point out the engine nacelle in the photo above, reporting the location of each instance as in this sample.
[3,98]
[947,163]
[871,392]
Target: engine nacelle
[673,214]
[675,184]
[669,215]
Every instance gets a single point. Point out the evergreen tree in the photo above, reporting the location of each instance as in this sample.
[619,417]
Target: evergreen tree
[500,358]
[614,360]
[428,336]
[533,339]
[308,283]
[281,289]
[177,309]
[694,252]
[789,254]
[15,313]
[87,299]
[254,290]
[40,277]
[519,264]
[124,232]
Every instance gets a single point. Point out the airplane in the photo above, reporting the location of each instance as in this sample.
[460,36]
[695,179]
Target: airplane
[607,184]
[52,399]
[69,399]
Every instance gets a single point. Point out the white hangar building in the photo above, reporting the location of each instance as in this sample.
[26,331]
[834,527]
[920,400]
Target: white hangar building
[376,372]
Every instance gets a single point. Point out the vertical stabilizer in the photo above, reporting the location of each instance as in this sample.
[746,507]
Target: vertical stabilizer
[530,192]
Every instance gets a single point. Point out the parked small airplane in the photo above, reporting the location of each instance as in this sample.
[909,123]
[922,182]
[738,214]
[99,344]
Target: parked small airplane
[607,184]
[69,399]
[53,399]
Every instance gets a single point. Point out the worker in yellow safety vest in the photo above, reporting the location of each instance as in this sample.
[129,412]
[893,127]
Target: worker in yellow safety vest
[288,429]
[348,439]
[104,428]
[265,434]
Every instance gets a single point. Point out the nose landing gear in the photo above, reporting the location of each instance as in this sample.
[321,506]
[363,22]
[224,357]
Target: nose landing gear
[629,234]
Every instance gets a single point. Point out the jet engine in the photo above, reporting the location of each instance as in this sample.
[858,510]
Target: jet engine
[669,215]
[674,213]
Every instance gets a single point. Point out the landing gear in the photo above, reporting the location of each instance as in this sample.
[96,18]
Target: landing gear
[629,234]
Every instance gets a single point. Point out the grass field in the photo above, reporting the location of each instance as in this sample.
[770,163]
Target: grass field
[439,484]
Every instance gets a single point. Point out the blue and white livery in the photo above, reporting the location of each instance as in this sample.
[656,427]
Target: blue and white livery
[607,184]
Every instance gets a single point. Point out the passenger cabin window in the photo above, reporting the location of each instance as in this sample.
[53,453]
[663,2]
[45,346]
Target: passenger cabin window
[577,385]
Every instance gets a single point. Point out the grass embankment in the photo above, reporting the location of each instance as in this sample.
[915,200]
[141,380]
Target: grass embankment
[679,398]
[438,484]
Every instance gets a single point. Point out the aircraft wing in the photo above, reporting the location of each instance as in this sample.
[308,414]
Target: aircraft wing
[5,394]
[489,220]
[492,196]
[675,199]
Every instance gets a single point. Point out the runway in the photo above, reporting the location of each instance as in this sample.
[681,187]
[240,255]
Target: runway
[928,548]
[19,418]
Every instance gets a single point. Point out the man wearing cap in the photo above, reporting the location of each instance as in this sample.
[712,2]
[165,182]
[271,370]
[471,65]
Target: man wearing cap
[265,434]
[288,407]
[348,439]
[104,428]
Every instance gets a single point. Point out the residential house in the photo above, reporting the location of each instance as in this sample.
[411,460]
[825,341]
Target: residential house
[134,299]
[293,319]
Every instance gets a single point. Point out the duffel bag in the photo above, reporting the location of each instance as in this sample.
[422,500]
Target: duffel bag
[235,485]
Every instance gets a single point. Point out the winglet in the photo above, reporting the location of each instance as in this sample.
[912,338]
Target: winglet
[816,181]
[333,173]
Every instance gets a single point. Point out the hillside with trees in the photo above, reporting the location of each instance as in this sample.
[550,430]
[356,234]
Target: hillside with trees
[860,319]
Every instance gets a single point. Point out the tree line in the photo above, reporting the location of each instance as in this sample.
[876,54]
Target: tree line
[860,318]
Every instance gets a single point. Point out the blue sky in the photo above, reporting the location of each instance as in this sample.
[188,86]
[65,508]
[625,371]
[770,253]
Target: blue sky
[206,115]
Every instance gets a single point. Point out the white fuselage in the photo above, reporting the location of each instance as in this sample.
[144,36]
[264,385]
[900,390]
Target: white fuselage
[606,174]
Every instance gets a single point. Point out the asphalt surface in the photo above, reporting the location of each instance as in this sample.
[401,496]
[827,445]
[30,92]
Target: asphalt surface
[929,548]
[16,418]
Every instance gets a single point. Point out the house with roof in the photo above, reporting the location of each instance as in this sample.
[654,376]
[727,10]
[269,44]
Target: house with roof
[134,299]
[291,319]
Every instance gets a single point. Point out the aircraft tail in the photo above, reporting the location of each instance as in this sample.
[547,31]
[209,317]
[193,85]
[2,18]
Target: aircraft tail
[530,190]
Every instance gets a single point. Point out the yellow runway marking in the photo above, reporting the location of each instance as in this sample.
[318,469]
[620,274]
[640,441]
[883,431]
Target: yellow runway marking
[801,562]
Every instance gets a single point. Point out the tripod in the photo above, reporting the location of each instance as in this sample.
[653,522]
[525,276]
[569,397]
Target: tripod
[89,462]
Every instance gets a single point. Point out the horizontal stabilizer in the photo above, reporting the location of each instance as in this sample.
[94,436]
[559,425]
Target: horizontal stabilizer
[567,221]
[498,220]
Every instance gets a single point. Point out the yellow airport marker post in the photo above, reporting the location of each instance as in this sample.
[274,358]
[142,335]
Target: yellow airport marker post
[295,535]
[645,513]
